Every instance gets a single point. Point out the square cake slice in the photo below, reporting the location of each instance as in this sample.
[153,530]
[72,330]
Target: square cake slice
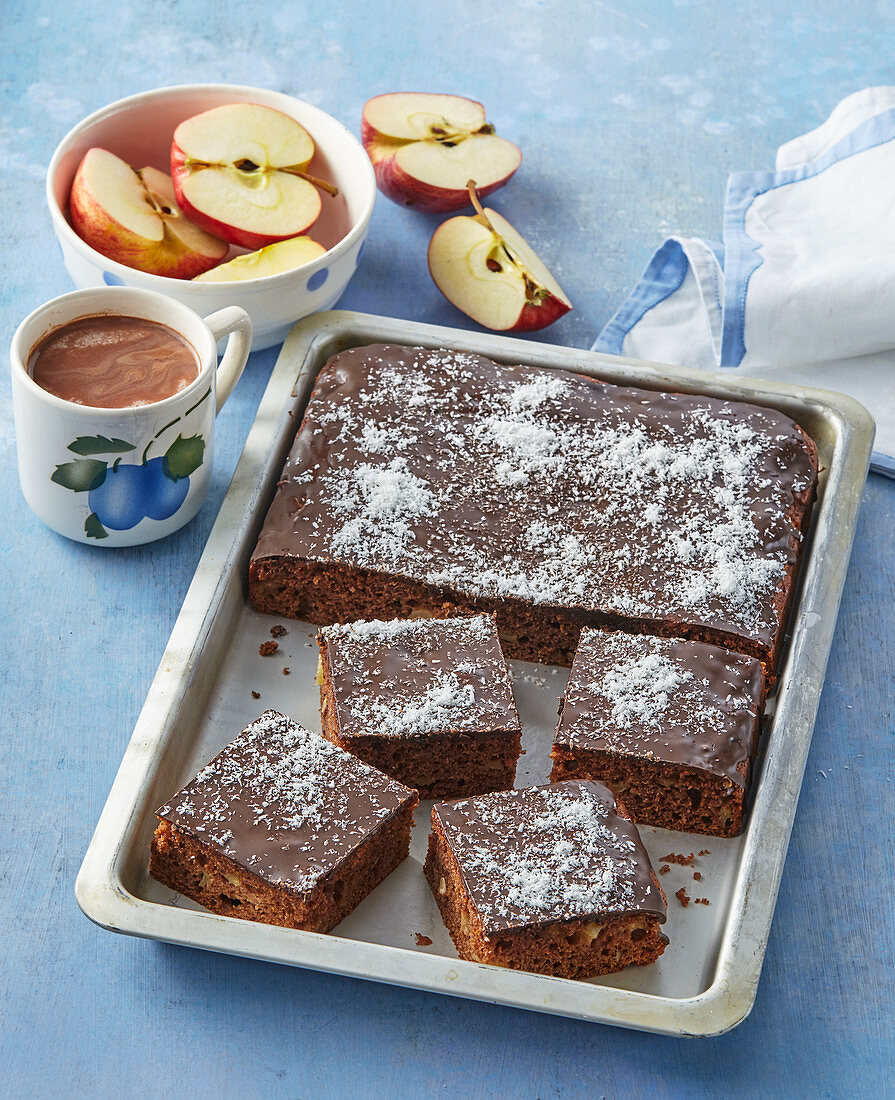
[432,482]
[427,701]
[550,879]
[282,827]
[671,726]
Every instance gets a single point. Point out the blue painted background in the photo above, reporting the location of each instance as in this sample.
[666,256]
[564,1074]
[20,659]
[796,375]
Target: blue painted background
[629,117]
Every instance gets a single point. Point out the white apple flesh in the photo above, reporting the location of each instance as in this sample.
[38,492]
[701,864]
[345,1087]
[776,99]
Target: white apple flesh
[240,171]
[487,270]
[425,148]
[132,217]
[273,259]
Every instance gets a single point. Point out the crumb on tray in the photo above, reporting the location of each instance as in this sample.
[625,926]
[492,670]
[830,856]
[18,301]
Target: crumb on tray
[675,857]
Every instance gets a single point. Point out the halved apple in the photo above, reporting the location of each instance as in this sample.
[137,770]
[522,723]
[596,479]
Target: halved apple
[240,171]
[491,273]
[273,259]
[133,218]
[425,147]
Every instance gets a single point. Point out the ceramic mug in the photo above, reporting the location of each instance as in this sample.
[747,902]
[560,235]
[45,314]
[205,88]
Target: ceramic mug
[123,477]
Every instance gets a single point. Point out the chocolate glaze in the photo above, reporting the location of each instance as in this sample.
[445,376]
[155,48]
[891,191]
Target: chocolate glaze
[285,804]
[111,362]
[423,677]
[543,854]
[705,715]
[519,483]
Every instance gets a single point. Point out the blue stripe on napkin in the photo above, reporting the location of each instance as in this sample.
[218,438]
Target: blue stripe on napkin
[742,251]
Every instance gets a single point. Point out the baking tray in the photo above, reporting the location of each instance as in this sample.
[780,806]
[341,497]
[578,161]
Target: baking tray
[202,696]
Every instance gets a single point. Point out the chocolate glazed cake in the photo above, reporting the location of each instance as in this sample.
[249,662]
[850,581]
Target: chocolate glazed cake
[282,827]
[427,701]
[670,726]
[550,879]
[438,482]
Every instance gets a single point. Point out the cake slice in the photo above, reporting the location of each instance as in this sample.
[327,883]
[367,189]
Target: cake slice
[427,701]
[550,879]
[282,827]
[671,726]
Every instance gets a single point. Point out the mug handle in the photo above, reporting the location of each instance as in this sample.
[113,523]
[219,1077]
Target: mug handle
[236,322]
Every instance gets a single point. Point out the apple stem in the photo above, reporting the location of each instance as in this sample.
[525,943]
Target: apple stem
[533,292]
[324,185]
[249,168]
[483,217]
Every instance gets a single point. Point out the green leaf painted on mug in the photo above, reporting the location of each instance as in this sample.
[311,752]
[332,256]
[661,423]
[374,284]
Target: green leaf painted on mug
[99,445]
[93,529]
[184,456]
[80,476]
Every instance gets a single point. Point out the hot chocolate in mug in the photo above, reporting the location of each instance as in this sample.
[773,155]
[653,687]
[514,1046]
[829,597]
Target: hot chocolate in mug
[123,476]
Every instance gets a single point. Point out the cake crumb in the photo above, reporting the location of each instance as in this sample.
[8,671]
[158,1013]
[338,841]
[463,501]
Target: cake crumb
[702,901]
[682,897]
[421,940]
[697,875]
[664,869]
[268,649]
[286,670]
[277,631]
[675,857]
[703,852]
[256,694]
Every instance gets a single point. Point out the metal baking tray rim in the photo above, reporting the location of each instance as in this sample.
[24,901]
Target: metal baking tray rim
[103,897]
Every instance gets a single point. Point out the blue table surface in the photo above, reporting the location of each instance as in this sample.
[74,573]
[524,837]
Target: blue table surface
[630,117]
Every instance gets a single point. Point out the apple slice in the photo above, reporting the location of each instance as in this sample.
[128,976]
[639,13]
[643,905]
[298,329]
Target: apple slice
[133,218]
[273,259]
[482,265]
[425,147]
[240,172]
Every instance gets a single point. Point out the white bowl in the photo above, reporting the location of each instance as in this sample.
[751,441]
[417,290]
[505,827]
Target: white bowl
[139,129]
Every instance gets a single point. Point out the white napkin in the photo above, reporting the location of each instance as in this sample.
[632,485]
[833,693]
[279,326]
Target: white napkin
[803,288]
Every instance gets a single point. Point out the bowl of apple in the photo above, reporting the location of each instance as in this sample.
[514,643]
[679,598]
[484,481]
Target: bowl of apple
[216,195]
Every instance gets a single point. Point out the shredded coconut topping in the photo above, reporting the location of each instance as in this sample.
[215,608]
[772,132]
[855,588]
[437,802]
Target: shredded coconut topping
[543,854]
[665,699]
[639,689]
[501,482]
[419,677]
[285,802]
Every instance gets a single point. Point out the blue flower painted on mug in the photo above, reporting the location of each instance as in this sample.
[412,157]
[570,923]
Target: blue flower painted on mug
[121,494]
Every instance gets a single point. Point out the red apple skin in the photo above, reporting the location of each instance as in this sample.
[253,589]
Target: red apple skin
[534,317]
[232,233]
[111,239]
[396,185]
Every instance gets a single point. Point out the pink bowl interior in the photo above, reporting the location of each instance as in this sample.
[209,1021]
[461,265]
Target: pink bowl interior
[141,132]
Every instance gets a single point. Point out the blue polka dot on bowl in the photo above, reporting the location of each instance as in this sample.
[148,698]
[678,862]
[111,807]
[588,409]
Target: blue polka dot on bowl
[317,280]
